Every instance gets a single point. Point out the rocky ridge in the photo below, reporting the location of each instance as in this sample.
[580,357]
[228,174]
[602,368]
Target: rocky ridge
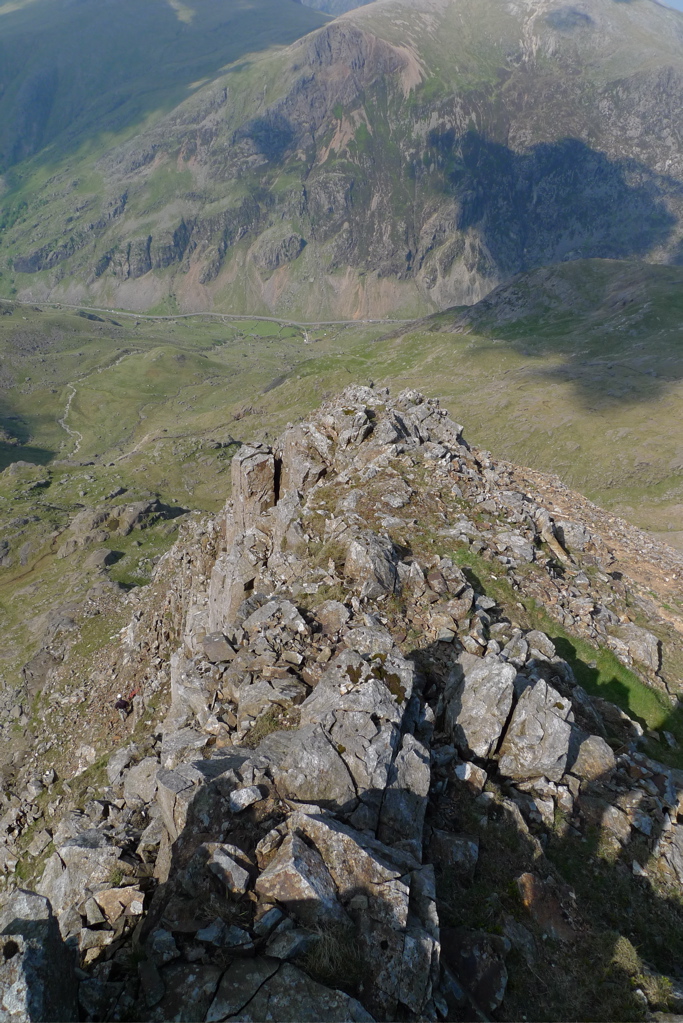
[349,726]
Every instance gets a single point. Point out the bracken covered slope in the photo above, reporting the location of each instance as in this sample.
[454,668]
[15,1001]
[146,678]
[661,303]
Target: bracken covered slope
[374,766]
[407,156]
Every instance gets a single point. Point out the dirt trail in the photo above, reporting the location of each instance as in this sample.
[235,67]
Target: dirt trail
[62,421]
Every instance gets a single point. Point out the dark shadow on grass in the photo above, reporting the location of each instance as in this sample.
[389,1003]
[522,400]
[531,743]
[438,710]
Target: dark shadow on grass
[10,453]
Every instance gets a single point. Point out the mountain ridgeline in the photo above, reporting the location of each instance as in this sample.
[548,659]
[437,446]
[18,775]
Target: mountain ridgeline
[405,157]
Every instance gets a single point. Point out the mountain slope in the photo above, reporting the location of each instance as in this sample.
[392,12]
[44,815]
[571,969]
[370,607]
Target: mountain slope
[405,157]
[71,71]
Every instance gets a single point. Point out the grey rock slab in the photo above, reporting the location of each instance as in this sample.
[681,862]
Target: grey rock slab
[140,781]
[37,980]
[405,799]
[381,688]
[176,746]
[595,759]
[151,984]
[371,563]
[312,771]
[161,947]
[478,961]
[478,703]
[217,648]
[242,798]
[418,966]
[291,943]
[360,865]
[369,640]
[270,919]
[189,991]
[538,641]
[641,645]
[460,852]
[239,984]
[98,998]
[234,876]
[118,762]
[536,743]
[83,861]
[298,879]
[39,843]
[516,651]
[290,996]
[333,616]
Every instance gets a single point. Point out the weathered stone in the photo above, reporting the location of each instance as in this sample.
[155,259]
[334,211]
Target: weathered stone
[595,759]
[140,781]
[475,777]
[539,643]
[640,645]
[291,942]
[544,906]
[189,990]
[290,996]
[161,947]
[83,861]
[476,958]
[333,616]
[98,998]
[37,979]
[314,772]
[371,562]
[478,703]
[405,798]
[177,744]
[118,762]
[114,902]
[240,799]
[460,852]
[153,987]
[516,651]
[298,879]
[39,843]
[233,875]
[536,742]
[217,648]
[238,985]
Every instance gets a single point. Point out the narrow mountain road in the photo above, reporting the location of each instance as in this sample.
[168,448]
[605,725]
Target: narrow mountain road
[219,316]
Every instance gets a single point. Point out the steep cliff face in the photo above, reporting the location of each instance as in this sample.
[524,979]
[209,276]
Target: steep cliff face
[375,788]
[423,153]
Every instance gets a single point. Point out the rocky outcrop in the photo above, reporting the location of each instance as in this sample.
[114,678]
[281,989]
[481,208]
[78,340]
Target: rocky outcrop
[37,979]
[350,717]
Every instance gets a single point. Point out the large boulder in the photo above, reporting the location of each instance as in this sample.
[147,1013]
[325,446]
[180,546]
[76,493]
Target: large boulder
[37,980]
[290,996]
[371,562]
[536,743]
[595,760]
[630,642]
[312,771]
[478,703]
[298,879]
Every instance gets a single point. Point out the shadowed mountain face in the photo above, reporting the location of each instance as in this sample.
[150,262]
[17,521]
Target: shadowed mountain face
[403,158]
[72,69]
